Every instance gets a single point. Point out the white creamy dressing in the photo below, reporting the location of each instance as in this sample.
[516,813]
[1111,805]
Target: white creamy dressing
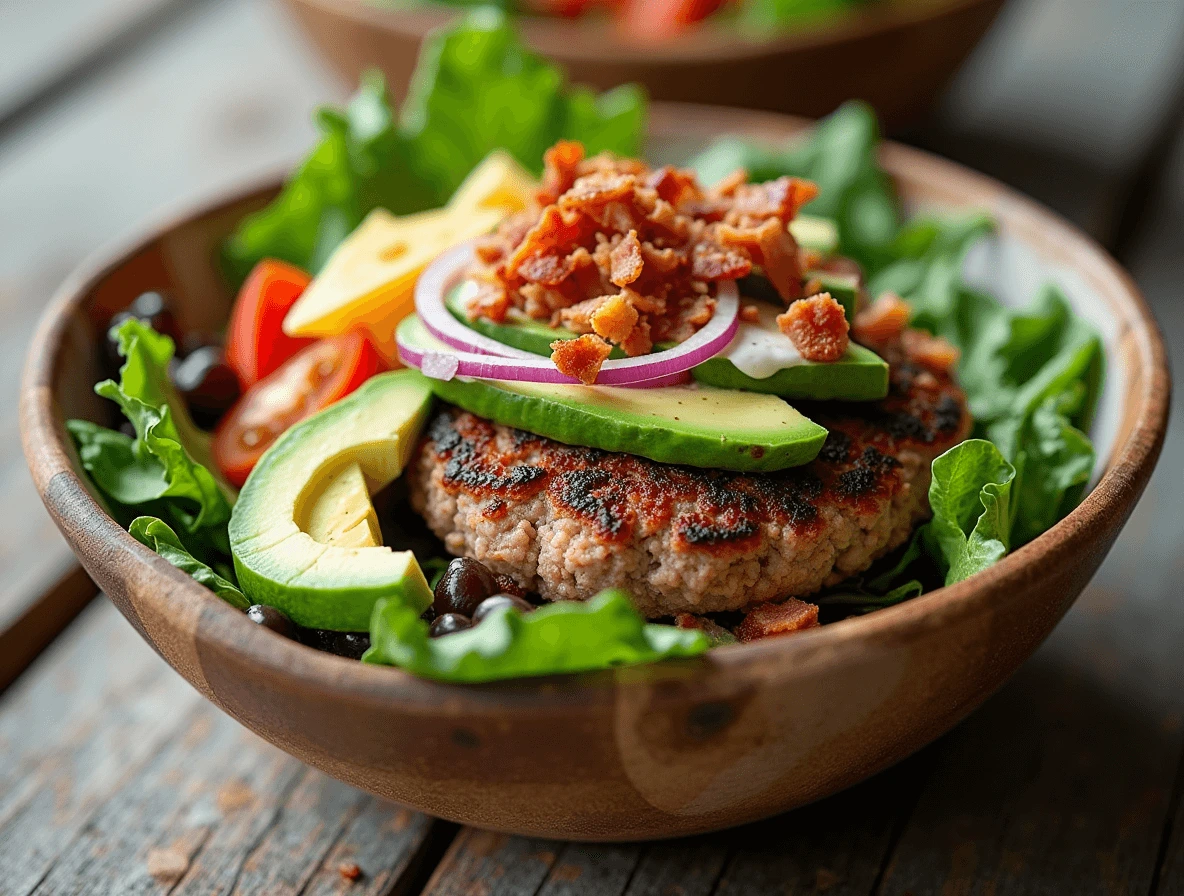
[760,350]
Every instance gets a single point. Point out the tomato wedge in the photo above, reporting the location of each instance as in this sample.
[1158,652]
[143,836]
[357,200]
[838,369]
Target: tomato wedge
[659,20]
[314,378]
[256,344]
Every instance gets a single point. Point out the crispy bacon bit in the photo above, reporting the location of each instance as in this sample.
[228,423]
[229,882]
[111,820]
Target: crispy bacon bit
[728,185]
[615,319]
[931,352]
[769,620]
[350,871]
[581,357]
[559,169]
[883,321]
[750,314]
[608,226]
[712,261]
[817,327]
[490,301]
[625,260]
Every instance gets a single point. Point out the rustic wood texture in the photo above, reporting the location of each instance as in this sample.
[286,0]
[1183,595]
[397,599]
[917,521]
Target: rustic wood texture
[921,44]
[118,778]
[217,93]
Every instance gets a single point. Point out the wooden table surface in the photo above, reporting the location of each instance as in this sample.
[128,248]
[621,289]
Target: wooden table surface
[116,777]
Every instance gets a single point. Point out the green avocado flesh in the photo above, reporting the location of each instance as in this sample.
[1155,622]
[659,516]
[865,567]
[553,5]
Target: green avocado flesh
[331,586]
[860,375]
[693,425]
[819,234]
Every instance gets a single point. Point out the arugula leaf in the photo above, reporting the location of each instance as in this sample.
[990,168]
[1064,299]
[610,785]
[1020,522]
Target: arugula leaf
[840,156]
[561,637]
[476,88]
[970,497]
[157,535]
[170,457]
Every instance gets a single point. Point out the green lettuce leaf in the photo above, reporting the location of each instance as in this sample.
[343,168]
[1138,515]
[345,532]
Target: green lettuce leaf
[170,457]
[970,497]
[840,156]
[561,637]
[476,88]
[157,535]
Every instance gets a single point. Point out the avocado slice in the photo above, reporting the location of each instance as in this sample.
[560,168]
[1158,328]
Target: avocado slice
[693,425]
[819,234]
[860,375]
[762,359]
[303,533]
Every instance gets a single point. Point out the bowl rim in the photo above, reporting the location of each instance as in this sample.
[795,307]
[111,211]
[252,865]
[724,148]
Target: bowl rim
[223,628]
[598,41]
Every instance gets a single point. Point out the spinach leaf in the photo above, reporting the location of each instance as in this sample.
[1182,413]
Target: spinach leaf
[970,497]
[476,88]
[157,535]
[840,156]
[562,637]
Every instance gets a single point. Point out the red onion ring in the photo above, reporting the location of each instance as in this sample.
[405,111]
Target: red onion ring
[481,357]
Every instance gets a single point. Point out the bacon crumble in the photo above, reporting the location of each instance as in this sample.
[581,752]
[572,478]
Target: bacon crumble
[817,327]
[625,255]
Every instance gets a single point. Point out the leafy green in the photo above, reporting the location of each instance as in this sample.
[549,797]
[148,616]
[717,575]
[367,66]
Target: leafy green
[970,497]
[170,457]
[562,637]
[165,472]
[840,156]
[476,88]
[157,535]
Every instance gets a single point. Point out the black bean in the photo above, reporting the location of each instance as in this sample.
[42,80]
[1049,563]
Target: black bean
[153,309]
[207,384]
[465,584]
[270,617]
[490,604]
[348,644]
[449,623]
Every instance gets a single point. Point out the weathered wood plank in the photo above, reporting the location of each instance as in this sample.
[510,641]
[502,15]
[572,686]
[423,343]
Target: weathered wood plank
[839,846]
[227,90]
[1065,100]
[42,42]
[140,786]
[1156,259]
[1063,780]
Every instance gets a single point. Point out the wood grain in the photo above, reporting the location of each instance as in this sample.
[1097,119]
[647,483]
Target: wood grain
[221,93]
[140,786]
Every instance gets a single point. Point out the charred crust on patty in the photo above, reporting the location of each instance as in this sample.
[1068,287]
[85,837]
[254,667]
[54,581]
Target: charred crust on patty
[567,521]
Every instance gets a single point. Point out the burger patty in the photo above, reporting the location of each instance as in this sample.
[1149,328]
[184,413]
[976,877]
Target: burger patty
[568,522]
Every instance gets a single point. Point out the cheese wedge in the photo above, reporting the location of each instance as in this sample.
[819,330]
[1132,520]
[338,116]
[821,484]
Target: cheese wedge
[498,182]
[369,280]
[372,274]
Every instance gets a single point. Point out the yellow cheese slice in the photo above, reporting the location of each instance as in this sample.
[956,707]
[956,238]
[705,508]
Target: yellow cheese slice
[369,280]
[498,182]
[342,514]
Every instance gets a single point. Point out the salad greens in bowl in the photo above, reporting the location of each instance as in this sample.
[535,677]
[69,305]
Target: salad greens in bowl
[736,458]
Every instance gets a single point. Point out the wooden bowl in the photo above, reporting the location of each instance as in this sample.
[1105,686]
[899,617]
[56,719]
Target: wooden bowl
[896,55]
[647,752]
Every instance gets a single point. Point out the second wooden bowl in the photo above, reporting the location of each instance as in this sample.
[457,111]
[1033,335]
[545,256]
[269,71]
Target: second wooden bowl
[653,751]
[897,55]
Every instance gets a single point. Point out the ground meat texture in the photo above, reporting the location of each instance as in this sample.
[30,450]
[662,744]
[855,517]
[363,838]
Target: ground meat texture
[574,520]
[817,327]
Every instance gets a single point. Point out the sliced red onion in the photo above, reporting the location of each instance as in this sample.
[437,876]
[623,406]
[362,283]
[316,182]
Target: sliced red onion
[444,364]
[481,357]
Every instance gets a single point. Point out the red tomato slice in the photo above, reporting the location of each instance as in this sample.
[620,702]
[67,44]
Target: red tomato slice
[313,379]
[255,341]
